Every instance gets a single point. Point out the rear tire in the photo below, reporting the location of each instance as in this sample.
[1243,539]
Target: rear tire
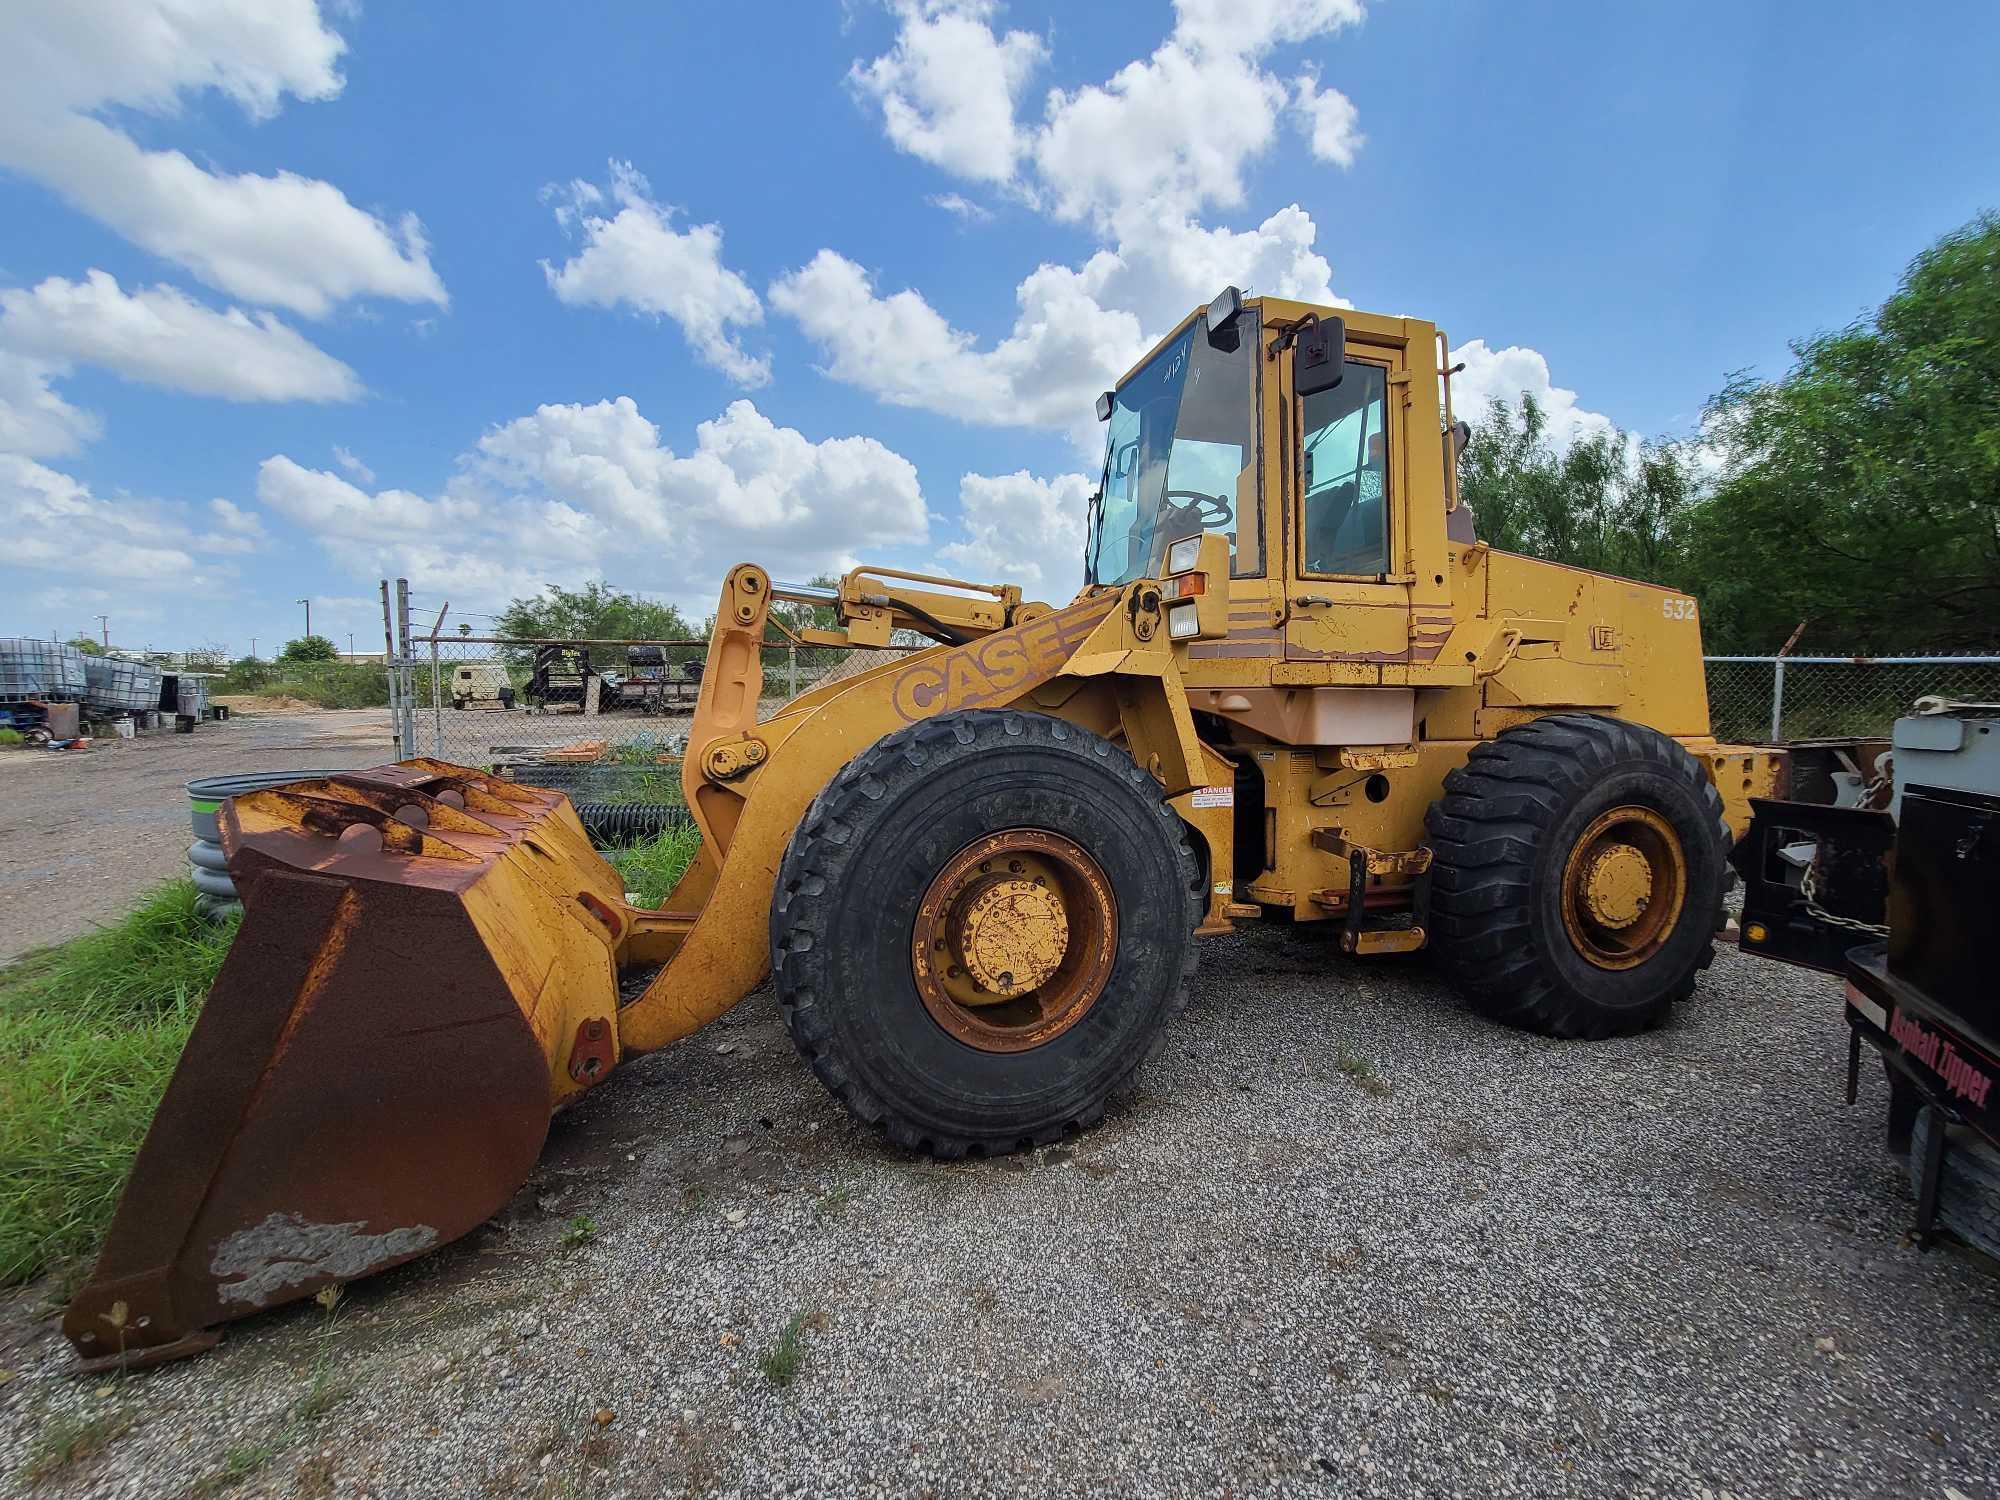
[1523,922]
[857,902]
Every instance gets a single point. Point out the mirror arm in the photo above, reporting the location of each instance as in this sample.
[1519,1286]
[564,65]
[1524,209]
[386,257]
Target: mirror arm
[1289,335]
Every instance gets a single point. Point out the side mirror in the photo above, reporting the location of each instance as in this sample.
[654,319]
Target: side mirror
[1461,434]
[1319,356]
[1104,407]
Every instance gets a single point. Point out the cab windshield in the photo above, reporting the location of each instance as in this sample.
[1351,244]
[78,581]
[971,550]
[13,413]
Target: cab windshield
[1180,457]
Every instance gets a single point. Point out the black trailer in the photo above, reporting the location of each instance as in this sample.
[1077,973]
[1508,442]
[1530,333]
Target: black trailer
[1897,896]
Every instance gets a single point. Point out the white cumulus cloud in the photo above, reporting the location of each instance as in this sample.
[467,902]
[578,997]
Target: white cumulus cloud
[54,523]
[283,240]
[348,461]
[34,421]
[1173,131]
[635,258]
[160,336]
[1506,374]
[1076,331]
[948,88]
[1023,529]
[573,491]
[1330,120]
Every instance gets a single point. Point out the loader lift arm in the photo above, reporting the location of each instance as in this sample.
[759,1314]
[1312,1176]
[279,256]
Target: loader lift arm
[748,783]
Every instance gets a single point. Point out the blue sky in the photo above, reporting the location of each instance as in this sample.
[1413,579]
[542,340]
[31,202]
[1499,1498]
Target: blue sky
[294,295]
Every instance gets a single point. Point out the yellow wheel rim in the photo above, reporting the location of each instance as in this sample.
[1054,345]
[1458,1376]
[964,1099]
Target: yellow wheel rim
[1014,940]
[1623,887]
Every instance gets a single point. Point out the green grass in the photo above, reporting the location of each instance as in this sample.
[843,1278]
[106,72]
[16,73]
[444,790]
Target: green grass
[239,1464]
[89,1034]
[70,1440]
[835,1199]
[1361,1070]
[11,737]
[649,781]
[329,684]
[651,868]
[581,1231]
[782,1360]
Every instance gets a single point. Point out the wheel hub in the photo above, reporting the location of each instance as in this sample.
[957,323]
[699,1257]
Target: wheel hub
[1014,940]
[1619,885]
[1012,935]
[1623,887]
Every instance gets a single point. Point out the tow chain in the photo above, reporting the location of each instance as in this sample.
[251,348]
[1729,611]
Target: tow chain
[1809,891]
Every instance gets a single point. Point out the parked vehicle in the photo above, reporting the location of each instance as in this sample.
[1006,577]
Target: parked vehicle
[481,684]
[1895,888]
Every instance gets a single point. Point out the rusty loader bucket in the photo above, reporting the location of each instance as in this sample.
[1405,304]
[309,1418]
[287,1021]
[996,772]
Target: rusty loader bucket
[426,971]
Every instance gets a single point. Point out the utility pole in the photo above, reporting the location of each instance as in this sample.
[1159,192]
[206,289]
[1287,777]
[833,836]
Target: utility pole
[309,613]
[104,625]
[253,648]
[350,645]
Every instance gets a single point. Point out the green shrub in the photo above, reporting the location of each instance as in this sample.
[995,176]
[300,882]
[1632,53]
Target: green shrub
[336,684]
[89,1035]
[652,867]
[11,737]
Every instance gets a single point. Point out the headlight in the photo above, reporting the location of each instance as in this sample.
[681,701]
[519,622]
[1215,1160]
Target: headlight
[1182,621]
[1184,554]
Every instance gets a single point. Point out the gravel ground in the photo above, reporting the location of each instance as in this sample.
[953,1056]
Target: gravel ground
[85,831]
[1482,1264]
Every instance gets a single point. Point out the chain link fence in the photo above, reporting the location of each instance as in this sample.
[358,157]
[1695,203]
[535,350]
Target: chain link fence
[604,720]
[1776,700]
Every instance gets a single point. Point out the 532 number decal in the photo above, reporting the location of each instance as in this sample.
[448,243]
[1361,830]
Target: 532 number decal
[1676,608]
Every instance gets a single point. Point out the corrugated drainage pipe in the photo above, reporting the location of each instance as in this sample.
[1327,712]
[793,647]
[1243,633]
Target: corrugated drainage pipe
[628,822]
[215,896]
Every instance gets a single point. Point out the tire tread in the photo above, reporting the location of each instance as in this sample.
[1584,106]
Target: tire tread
[1485,833]
[818,860]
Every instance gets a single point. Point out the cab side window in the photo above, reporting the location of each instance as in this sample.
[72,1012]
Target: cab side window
[1346,474]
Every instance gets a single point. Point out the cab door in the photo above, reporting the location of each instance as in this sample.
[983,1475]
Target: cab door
[1347,576]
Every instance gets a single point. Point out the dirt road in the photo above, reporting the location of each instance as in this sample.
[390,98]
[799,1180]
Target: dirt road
[84,832]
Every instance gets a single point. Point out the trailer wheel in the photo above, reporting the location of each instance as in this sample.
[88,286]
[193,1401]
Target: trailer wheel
[982,926]
[1578,870]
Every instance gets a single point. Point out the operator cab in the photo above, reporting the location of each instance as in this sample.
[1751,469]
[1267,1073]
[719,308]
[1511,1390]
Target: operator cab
[1321,446]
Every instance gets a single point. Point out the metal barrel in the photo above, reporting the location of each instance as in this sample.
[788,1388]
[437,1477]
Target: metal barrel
[426,971]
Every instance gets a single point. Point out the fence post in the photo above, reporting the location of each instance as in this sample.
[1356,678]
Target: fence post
[404,665]
[1778,702]
[389,673]
[437,702]
[792,670]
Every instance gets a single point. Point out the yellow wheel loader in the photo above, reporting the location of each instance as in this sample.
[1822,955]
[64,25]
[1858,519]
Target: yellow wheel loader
[1293,685]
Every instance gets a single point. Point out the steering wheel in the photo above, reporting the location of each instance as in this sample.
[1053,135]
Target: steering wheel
[1213,511]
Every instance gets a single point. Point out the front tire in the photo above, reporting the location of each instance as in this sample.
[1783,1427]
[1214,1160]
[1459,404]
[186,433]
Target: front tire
[981,927]
[1578,869]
